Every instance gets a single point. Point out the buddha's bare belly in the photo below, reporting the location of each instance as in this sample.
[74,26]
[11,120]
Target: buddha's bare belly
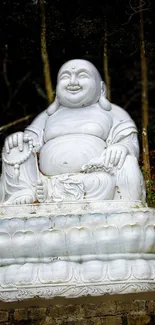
[68,153]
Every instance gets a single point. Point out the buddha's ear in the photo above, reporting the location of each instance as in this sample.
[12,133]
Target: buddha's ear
[103,102]
[103,89]
[53,107]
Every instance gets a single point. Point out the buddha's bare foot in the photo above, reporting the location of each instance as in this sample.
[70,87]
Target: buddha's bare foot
[25,199]
[41,192]
[25,196]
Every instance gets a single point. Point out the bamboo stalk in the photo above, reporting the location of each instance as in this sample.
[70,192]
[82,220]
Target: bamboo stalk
[144,100]
[106,63]
[20,120]
[44,55]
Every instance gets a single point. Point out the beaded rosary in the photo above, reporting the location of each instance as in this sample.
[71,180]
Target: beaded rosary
[16,163]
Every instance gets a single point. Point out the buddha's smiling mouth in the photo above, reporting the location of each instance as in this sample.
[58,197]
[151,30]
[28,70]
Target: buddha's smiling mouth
[74,89]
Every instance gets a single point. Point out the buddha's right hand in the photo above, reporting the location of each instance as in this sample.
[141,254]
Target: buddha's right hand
[15,140]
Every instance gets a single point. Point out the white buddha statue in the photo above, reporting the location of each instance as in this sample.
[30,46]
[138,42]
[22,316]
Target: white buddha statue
[81,148]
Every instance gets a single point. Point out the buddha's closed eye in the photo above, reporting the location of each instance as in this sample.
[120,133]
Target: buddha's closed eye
[83,75]
[65,76]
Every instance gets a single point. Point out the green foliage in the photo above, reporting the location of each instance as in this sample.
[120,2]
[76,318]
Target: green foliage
[150,194]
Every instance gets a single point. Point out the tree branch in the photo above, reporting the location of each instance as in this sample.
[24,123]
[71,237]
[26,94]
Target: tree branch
[7,126]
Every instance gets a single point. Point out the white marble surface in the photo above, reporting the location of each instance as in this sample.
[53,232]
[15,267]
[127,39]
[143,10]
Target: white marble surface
[47,255]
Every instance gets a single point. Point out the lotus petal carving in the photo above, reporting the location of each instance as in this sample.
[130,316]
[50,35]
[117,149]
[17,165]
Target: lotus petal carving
[25,244]
[79,242]
[149,239]
[5,246]
[119,270]
[52,243]
[93,271]
[106,240]
[55,272]
[131,238]
[141,269]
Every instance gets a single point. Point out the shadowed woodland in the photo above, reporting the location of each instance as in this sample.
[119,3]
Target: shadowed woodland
[37,37]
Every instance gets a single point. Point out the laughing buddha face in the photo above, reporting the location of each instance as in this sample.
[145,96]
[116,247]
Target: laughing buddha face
[78,84]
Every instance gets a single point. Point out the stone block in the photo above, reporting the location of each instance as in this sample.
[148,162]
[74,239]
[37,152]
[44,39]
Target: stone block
[150,306]
[124,307]
[113,320]
[65,311]
[102,309]
[141,319]
[20,314]
[4,315]
[36,313]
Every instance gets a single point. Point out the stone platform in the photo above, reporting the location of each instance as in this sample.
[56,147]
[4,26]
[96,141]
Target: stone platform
[76,249]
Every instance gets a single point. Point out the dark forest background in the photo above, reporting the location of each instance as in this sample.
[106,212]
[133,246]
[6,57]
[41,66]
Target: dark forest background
[74,30]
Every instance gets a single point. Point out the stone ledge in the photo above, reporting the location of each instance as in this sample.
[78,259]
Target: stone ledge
[132,290]
[79,207]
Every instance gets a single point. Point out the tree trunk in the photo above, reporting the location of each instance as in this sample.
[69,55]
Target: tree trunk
[44,54]
[144,101]
[105,62]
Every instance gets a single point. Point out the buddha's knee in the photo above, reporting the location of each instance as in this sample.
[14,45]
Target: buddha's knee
[130,179]
[131,171]
[131,164]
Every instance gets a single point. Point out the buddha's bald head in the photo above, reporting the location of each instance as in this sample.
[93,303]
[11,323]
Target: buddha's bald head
[78,84]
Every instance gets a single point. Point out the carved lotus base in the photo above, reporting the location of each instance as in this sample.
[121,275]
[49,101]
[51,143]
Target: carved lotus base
[76,249]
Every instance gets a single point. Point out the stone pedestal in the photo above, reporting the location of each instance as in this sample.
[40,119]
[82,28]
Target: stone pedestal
[76,249]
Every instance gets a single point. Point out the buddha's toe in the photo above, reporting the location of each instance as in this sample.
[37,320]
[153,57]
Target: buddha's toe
[41,192]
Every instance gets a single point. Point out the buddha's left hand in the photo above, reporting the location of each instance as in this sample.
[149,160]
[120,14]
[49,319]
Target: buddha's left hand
[112,156]
[115,155]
